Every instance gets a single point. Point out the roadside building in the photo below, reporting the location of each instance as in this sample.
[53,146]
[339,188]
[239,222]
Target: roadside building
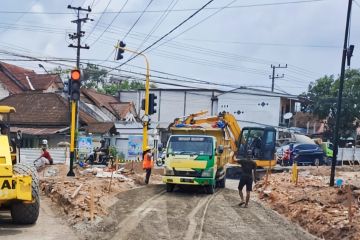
[42,116]
[251,107]
[14,80]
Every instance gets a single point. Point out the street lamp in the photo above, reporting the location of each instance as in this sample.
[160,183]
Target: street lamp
[42,66]
[121,47]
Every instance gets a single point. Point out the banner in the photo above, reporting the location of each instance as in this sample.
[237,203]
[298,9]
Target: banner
[135,145]
[85,145]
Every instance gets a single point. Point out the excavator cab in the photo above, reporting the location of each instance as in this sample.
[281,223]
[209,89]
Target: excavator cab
[258,144]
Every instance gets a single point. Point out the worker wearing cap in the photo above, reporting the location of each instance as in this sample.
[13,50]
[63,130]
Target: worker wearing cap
[147,163]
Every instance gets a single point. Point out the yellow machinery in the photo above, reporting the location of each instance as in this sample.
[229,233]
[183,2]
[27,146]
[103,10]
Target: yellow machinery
[241,140]
[19,184]
[201,149]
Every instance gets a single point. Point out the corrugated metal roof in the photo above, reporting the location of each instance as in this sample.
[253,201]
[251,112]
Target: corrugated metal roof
[39,131]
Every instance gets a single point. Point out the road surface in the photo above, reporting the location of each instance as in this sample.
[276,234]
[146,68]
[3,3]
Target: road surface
[152,213]
[48,227]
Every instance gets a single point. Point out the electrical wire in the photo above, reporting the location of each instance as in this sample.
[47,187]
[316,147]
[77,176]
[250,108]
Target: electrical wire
[168,33]
[112,21]
[196,24]
[137,20]
[175,10]
[97,22]
[157,24]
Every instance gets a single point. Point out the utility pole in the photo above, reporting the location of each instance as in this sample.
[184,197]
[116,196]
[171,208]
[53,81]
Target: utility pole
[74,102]
[273,76]
[339,100]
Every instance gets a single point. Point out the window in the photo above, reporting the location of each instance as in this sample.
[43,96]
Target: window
[191,145]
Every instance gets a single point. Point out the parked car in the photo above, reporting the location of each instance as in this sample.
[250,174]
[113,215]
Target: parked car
[304,154]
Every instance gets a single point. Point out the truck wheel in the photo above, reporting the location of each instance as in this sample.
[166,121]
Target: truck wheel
[170,187]
[222,182]
[210,189]
[28,213]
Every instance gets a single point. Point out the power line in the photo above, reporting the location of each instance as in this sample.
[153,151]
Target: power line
[137,20]
[168,33]
[196,24]
[157,24]
[174,10]
[97,22]
[112,21]
[264,43]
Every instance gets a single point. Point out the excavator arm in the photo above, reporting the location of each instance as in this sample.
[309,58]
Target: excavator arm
[223,120]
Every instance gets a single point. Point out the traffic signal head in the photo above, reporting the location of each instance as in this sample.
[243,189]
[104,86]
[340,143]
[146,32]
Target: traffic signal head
[121,50]
[152,103]
[75,76]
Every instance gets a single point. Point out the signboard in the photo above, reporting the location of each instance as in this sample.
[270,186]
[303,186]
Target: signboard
[85,144]
[135,145]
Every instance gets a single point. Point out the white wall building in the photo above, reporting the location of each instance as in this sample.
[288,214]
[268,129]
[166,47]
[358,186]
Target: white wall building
[249,106]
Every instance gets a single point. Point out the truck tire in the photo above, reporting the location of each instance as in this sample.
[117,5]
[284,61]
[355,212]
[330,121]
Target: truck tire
[210,189]
[26,213]
[170,187]
[222,182]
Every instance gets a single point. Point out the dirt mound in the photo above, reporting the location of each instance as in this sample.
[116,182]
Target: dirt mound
[85,199]
[313,204]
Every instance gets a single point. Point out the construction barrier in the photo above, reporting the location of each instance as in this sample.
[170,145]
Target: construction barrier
[59,155]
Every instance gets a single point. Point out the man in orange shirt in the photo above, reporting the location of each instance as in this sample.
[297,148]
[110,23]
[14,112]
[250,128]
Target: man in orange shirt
[147,163]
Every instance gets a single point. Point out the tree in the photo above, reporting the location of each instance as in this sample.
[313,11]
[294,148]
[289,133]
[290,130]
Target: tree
[321,100]
[93,76]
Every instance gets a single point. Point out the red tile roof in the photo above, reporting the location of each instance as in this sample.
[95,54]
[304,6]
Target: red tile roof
[101,128]
[99,99]
[122,108]
[41,109]
[17,79]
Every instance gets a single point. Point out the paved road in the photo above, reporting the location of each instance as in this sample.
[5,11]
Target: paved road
[48,227]
[151,213]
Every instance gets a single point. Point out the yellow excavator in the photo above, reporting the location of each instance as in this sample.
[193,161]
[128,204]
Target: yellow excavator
[255,143]
[19,183]
[202,149]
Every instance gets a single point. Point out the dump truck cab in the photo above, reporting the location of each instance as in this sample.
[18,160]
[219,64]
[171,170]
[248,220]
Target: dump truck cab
[19,186]
[200,149]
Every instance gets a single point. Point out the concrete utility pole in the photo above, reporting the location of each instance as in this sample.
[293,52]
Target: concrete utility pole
[277,75]
[74,103]
[339,100]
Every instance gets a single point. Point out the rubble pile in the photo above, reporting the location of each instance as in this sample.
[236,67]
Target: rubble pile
[87,197]
[313,204]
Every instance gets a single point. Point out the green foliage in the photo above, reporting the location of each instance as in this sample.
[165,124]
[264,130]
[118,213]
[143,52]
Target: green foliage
[113,151]
[113,88]
[321,100]
[93,76]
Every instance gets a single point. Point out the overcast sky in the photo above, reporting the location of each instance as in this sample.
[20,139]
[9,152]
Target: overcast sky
[234,46]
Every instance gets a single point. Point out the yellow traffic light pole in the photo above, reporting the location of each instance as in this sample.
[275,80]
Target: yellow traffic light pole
[147,90]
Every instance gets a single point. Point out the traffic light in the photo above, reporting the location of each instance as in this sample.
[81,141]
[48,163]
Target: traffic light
[75,84]
[120,50]
[152,103]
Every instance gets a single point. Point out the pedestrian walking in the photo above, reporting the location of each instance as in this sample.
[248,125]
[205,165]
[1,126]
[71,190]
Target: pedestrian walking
[248,175]
[148,163]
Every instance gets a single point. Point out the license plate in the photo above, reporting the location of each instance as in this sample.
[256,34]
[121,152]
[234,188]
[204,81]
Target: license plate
[187,180]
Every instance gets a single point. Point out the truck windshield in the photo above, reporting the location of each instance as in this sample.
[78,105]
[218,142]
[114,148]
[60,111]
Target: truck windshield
[188,145]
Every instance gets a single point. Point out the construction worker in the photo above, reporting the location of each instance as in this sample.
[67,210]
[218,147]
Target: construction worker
[248,175]
[148,163]
[44,159]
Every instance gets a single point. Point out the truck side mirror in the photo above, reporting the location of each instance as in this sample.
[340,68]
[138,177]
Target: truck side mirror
[220,149]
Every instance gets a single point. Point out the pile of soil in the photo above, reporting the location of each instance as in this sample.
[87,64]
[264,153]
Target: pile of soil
[76,209]
[313,204]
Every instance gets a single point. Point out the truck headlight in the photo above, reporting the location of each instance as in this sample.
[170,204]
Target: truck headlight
[168,172]
[207,172]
